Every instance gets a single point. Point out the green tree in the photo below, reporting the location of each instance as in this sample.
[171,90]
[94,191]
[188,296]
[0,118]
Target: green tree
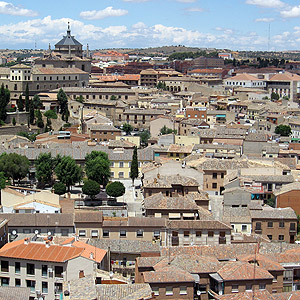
[44,168]
[31,112]
[68,172]
[62,101]
[51,114]
[14,122]
[59,188]
[145,136]
[113,97]
[20,103]
[14,166]
[91,188]
[39,119]
[115,189]
[283,130]
[274,96]
[165,130]
[37,102]
[97,167]
[3,180]
[48,126]
[4,100]
[127,128]
[134,169]
[27,104]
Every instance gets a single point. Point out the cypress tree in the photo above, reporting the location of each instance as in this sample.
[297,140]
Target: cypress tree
[27,102]
[134,169]
[20,103]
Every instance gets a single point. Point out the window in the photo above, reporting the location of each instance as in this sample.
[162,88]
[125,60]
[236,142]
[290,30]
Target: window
[169,291]
[214,185]
[112,164]
[292,226]
[215,175]
[281,237]
[270,224]
[198,233]
[281,224]
[17,267]
[262,286]
[105,233]
[58,270]
[121,164]
[64,232]
[183,290]
[155,291]
[244,227]
[30,269]
[156,233]
[210,234]
[248,287]
[44,287]
[58,288]
[122,233]
[234,288]
[94,233]
[17,282]
[140,233]
[121,174]
[270,237]
[4,281]
[44,270]
[222,175]
[81,232]
[258,226]
[186,234]
[30,284]
[4,266]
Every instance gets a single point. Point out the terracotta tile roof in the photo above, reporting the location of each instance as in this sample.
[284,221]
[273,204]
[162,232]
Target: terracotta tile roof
[243,77]
[180,149]
[285,77]
[295,295]
[257,295]
[169,181]
[268,212]
[88,217]
[199,224]
[90,252]
[39,251]
[238,270]
[54,71]
[14,293]
[159,201]
[262,261]
[168,274]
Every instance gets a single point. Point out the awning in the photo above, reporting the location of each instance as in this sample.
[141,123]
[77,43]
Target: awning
[174,215]
[188,215]
[220,116]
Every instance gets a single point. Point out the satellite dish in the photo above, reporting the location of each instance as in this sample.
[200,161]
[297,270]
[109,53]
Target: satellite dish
[14,232]
[198,293]
[36,232]
[49,233]
[111,274]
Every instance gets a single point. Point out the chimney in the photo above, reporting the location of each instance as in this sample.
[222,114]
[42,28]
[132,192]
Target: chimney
[91,255]
[26,241]
[47,244]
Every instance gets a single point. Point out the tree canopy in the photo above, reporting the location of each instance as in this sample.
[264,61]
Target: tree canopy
[37,102]
[115,189]
[14,166]
[68,172]
[145,136]
[44,168]
[165,130]
[59,188]
[97,167]
[20,103]
[27,98]
[63,104]
[283,130]
[127,128]
[134,169]
[4,100]
[91,188]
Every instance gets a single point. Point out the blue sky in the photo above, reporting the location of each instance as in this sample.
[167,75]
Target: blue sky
[233,24]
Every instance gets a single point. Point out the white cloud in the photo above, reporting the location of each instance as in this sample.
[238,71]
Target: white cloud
[266,20]
[10,9]
[267,3]
[292,12]
[194,9]
[101,14]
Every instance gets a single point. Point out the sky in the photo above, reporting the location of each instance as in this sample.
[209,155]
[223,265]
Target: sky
[232,24]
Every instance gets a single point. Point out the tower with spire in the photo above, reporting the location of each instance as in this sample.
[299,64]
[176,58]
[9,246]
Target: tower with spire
[68,46]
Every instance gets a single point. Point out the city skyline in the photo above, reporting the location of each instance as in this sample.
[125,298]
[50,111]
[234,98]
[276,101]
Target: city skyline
[236,25]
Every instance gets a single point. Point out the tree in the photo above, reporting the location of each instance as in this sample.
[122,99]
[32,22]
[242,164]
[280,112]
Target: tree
[14,122]
[48,126]
[115,189]
[44,168]
[134,169]
[283,130]
[59,188]
[39,119]
[113,97]
[31,113]
[165,130]
[14,166]
[37,102]
[274,96]
[127,128]
[68,172]
[51,114]
[145,136]
[3,180]
[27,105]
[91,188]
[62,101]
[97,167]
[4,100]
[20,103]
